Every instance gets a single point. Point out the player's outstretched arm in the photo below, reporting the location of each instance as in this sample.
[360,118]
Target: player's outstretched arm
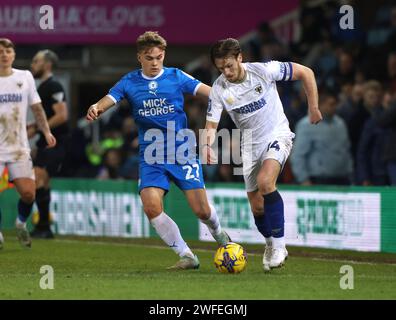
[98,108]
[204,90]
[42,124]
[306,75]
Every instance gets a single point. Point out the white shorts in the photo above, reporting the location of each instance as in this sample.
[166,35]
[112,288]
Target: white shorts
[18,169]
[276,148]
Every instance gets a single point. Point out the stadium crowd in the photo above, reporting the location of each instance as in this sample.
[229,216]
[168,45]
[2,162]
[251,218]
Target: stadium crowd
[355,144]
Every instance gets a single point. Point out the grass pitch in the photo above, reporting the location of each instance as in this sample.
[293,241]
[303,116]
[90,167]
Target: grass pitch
[103,268]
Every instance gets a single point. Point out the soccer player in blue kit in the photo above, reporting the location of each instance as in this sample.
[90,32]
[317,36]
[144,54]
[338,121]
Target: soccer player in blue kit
[155,94]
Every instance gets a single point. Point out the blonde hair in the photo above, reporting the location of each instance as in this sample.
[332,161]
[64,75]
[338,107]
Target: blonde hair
[372,85]
[148,40]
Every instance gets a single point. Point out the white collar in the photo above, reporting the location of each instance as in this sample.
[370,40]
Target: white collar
[152,78]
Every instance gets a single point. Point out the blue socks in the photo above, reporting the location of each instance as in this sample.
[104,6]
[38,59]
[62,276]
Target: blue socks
[263,224]
[24,210]
[273,208]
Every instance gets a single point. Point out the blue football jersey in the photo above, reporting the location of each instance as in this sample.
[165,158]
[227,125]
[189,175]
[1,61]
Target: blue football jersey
[157,103]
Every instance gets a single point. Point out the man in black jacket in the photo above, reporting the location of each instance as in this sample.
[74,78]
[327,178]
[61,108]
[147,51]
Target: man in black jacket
[48,162]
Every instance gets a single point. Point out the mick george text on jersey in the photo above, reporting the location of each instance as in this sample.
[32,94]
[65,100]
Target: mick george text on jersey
[156,107]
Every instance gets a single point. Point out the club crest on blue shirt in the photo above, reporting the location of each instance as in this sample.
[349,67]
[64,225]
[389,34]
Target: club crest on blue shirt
[153,85]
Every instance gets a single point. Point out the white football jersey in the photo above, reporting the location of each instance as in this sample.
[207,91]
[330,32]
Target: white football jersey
[17,92]
[253,104]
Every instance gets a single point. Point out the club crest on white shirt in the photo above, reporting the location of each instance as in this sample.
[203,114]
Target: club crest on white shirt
[258,89]
[230,100]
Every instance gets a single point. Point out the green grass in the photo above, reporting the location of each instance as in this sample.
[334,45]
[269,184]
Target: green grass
[97,268]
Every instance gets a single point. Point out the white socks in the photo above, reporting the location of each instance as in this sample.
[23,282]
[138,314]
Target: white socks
[278,242]
[19,224]
[169,232]
[268,241]
[213,222]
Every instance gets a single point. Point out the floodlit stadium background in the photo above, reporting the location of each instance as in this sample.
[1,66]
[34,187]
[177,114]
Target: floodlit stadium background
[96,192]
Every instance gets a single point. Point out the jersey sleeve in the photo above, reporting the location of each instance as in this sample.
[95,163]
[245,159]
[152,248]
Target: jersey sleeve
[57,93]
[117,92]
[188,84]
[215,107]
[276,70]
[33,96]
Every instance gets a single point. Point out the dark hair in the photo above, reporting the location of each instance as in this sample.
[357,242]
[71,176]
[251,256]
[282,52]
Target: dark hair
[7,43]
[148,40]
[50,56]
[225,48]
[326,92]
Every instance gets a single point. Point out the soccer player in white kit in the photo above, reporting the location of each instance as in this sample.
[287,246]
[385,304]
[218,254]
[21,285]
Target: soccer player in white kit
[247,91]
[17,93]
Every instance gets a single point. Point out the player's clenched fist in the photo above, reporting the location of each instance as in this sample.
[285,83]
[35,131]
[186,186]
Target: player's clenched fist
[51,140]
[315,116]
[93,112]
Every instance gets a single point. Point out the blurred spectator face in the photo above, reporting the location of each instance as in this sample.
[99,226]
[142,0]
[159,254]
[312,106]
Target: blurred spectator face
[265,33]
[357,93]
[346,90]
[7,57]
[372,99]
[270,51]
[38,65]
[387,99]
[231,67]
[152,61]
[112,159]
[360,77]
[128,125]
[346,63]
[392,65]
[328,106]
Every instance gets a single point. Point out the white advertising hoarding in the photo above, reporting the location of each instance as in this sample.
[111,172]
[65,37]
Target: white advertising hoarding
[325,219]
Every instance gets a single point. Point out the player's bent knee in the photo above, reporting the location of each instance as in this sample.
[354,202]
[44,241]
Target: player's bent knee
[152,211]
[28,196]
[266,186]
[257,211]
[202,212]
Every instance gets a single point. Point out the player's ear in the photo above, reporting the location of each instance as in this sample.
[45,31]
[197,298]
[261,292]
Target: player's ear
[239,57]
[139,57]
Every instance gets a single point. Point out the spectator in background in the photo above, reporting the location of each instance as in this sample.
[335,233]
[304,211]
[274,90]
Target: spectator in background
[387,120]
[297,110]
[204,72]
[321,154]
[312,27]
[391,41]
[344,73]
[110,169]
[391,68]
[355,115]
[370,165]
[264,35]
[130,149]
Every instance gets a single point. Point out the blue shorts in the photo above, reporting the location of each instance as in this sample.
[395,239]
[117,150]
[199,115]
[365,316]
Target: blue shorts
[186,177]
